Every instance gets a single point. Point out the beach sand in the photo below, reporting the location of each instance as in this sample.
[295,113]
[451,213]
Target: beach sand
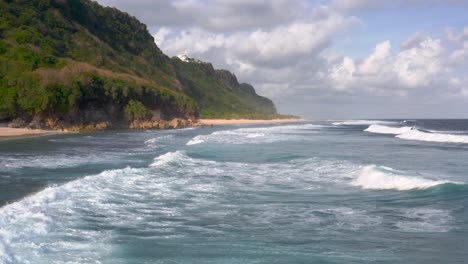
[247,121]
[10,133]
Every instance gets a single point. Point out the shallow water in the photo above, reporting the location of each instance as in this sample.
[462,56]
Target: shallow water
[320,192]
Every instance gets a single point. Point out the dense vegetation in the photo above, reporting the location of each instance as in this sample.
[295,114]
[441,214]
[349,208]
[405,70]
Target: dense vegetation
[77,61]
[219,94]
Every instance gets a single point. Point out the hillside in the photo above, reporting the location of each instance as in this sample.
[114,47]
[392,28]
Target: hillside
[75,62]
[218,92]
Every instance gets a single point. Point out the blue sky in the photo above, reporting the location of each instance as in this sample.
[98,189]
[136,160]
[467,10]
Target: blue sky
[330,58]
[397,24]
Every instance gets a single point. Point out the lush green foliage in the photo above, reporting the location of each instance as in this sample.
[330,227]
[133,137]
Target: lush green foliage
[136,110]
[65,58]
[219,94]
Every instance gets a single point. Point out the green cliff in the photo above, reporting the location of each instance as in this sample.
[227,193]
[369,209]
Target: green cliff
[76,62]
[218,92]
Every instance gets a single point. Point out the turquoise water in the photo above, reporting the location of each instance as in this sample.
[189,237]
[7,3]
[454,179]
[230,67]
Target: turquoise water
[320,192]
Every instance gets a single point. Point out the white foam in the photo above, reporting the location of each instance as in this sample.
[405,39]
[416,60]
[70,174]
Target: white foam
[32,227]
[53,161]
[384,178]
[155,142]
[196,140]
[361,122]
[387,130]
[410,133]
[257,135]
[424,220]
[151,141]
[433,137]
[168,158]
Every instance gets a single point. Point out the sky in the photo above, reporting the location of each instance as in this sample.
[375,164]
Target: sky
[326,59]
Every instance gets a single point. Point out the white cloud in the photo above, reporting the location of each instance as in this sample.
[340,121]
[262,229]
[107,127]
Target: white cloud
[374,64]
[285,48]
[342,75]
[381,70]
[264,47]
[161,34]
[460,56]
[457,37]
[357,4]
[191,41]
[214,15]
[418,66]
[412,41]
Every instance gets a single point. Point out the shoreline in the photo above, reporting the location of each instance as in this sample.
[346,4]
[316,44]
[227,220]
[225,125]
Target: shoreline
[17,133]
[214,122]
[7,133]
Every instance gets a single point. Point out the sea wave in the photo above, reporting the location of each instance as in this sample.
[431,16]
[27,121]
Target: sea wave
[423,219]
[411,133]
[53,161]
[362,122]
[196,140]
[256,135]
[26,226]
[169,157]
[387,130]
[56,218]
[385,178]
[433,137]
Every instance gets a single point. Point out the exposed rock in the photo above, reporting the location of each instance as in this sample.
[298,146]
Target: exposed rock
[36,123]
[163,124]
[50,122]
[17,123]
[175,123]
[102,125]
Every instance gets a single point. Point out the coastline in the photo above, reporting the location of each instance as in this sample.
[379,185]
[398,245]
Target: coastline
[15,133]
[7,133]
[214,122]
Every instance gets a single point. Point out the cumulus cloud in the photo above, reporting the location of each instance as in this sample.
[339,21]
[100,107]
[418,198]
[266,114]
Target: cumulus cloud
[412,41]
[417,67]
[285,48]
[460,55]
[357,4]
[276,47]
[213,15]
[457,37]
[372,5]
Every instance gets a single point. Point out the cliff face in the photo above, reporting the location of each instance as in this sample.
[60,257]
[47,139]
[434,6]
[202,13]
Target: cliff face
[218,92]
[78,62]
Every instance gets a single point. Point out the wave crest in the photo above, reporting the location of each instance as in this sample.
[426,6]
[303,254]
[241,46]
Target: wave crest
[384,178]
[362,122]
[168,158]
[410,133]
[387,130]
[256,135]
[433,137]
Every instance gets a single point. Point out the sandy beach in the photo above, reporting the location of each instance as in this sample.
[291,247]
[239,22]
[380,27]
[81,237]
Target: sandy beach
[10,133]
[248,121]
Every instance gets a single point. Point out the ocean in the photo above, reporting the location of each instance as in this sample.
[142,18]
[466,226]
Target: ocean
[342,191]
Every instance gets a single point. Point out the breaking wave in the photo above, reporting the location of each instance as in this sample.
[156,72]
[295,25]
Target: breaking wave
[196,140]
[387,130]
[411,133]
[257,135]
[384,178]
[433,137]
[168,158]
[362,122]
